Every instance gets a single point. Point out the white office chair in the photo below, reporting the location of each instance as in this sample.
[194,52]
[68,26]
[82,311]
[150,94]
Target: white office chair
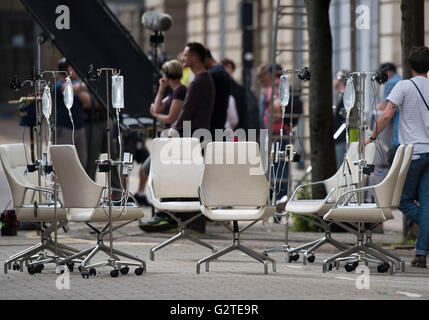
[84,200]
[234,188]
[176,171]
[347,209]
[26,198]
[345,178]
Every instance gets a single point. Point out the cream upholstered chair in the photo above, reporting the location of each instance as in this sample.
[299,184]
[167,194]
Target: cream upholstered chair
[85,202]
[176,171]
[26,197]
[345,178]
[234,188]
[347,209]
[388,215]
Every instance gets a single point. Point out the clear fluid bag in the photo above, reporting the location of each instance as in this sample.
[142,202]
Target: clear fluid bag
[118,92]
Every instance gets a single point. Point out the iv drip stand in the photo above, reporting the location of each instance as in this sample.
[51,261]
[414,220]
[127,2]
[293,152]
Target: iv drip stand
[285,247]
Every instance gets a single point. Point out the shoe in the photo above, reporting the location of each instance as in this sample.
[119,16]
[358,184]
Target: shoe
[141,199]
[156,224]
[419,262]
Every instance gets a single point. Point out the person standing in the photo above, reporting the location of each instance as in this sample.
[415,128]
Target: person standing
[239,94]
[222,82]
[393,78]
[340,82]
[264,78]
[166,110]
[82,100]
[200,97]
[412,98]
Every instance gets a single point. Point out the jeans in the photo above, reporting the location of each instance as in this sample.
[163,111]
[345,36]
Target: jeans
[416,187]
[340,151]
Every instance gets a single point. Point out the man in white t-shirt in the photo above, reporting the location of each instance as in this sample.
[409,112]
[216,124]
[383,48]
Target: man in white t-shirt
[412,98]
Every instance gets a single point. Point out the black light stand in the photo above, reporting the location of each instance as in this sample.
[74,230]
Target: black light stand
[156,39]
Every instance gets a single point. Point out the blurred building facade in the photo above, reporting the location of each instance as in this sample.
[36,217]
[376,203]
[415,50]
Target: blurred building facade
[219,25]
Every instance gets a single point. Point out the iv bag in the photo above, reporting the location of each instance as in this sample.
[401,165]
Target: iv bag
[118,92]
[284,90]
[46,102]
[349,95]
[68,93]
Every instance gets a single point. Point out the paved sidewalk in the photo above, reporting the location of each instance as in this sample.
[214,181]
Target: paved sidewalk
[173,275]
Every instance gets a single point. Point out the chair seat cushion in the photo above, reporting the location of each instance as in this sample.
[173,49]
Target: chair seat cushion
[45,213]
[234,214]
[177,206]
[366,212]
[101,214]
[308,207]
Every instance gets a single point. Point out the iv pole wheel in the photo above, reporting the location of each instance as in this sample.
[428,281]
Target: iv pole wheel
[311,258]
[139,271]
[125,270]
[293,257]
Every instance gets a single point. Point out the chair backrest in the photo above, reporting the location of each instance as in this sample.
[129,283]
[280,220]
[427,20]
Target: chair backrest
[13,159]
[78,189]
[176,167]
[233,175]
[353,155]
[402,175]
[385,190]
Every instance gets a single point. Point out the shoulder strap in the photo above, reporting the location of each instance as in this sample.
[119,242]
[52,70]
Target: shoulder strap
[427,107]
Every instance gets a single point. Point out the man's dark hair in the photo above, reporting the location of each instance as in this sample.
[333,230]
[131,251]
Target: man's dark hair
[208,54]
[418,59]
[388,66]
[63,64]
[227,61]
[197,49]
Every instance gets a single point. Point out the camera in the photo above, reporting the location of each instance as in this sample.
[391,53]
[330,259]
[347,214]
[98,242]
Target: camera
[92,73]
[304,74]
[380,76]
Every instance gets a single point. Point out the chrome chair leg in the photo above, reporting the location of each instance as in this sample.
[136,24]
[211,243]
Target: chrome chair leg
[182,234]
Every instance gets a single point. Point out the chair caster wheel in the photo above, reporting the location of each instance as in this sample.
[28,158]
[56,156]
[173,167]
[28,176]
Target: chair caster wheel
[328,267]
[16,266]
[139,271]
[125,270]
[39,268]
[31,270]
[85,274]
[382,268]
[114,273]
[92,272]
[70,266]
[311,258]
[294,257]
[350,266]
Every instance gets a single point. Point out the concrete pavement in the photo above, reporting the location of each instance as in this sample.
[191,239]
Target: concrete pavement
[172,276]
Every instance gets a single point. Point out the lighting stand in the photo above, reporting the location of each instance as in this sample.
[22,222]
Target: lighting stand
[156,39]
